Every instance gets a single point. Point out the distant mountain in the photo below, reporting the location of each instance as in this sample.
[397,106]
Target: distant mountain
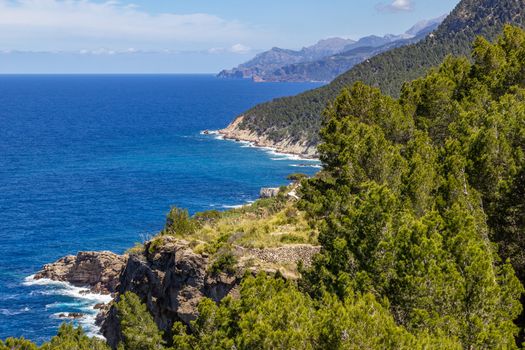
[328,68]
[292,123]
[266,62]
[325,60]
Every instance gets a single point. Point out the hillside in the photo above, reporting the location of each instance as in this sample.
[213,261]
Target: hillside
[292,123]
[326,59]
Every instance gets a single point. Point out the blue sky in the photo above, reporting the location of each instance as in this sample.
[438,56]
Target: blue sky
[184,36]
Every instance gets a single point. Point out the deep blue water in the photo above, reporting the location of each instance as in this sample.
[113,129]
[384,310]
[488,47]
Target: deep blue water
[95,162]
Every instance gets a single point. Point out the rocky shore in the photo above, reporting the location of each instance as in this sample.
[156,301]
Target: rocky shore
[169,277]
[287,146]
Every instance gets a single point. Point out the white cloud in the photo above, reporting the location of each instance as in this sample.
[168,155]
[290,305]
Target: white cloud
[396,6]
[240,49]
[74,25]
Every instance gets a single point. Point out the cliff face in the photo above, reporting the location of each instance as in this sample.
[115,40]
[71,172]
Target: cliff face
[171,281]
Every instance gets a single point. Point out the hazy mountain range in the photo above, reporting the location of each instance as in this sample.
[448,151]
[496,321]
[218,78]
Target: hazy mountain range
[325,60]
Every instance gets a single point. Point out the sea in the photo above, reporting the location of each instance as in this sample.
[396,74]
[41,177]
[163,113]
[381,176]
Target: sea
[94,162]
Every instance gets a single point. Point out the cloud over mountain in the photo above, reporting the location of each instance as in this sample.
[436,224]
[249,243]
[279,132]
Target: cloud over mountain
[396,6]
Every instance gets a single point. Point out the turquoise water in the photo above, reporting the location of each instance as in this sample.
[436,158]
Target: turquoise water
[95,162]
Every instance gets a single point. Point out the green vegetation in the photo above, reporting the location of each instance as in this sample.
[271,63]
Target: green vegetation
[138,328]
[67,338]
[420,212]
[179,222]
[410,190]
[299,118]
[297,177]
[224,262]
[273,314]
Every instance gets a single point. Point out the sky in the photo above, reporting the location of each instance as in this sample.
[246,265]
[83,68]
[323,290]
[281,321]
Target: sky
[184,36]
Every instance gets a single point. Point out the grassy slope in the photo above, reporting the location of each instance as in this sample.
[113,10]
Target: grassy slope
[266,223]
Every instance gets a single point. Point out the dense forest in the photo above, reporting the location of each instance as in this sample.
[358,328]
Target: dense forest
[421,216]
[299,118]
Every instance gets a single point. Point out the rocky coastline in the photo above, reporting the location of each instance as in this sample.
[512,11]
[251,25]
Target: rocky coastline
[169,277]
[287,146]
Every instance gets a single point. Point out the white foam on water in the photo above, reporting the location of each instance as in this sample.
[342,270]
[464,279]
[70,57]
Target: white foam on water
[233,206]
[67,289]
[8,312]
[59,305]
[209,132]
[86,301]
[318,166]
[277,155]
[237,206]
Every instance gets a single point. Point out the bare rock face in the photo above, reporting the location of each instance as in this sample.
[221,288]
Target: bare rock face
[267,192]
[97,270]
[171,280]
[237,131]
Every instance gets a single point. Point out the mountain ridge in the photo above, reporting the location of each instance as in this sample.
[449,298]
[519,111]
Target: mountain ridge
[297,119]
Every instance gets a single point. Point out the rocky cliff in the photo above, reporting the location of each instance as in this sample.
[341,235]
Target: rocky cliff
[172,279]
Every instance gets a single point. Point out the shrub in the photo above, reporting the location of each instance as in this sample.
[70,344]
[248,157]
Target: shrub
[225,262]
[208,216]
[297,177]
[179,222]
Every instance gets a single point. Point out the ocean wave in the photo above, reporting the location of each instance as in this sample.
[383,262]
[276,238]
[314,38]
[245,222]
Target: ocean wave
[233,206]
[67,289]
[215,133]
[237,206]
[68,305]
[85,301]
[276,155]
[87,321]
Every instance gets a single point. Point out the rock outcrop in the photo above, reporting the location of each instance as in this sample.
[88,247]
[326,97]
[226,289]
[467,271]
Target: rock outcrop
[99,271]
[303,148]
[268,192]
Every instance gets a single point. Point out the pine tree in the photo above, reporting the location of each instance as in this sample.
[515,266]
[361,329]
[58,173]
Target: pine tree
[138,328]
